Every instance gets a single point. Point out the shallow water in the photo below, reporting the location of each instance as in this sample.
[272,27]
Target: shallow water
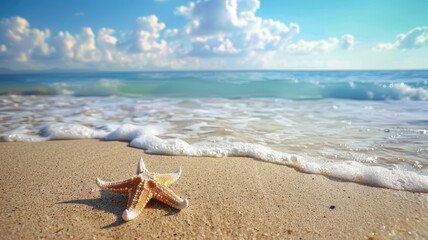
[372,135]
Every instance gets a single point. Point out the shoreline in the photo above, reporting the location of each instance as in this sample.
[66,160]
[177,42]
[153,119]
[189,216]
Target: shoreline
[49,191]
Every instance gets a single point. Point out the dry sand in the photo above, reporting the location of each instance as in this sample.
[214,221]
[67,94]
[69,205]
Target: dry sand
[48,191]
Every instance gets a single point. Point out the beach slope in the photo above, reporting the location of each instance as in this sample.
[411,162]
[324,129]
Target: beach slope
[48,190]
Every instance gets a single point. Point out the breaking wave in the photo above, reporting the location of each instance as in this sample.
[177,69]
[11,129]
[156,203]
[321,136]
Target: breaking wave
[354,85]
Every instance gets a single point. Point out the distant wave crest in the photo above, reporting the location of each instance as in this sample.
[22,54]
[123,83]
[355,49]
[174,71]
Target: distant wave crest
[293,90]
[305,85]
[374,91]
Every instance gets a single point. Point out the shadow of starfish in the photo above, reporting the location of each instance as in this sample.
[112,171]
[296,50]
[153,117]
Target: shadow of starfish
[116,204]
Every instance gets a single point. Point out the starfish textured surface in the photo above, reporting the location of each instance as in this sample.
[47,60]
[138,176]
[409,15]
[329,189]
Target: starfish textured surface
[144,186]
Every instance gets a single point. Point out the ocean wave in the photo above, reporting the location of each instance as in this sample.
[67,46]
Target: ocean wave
[374,91]
[364,85]
[410,93]
[284,90]
[98,88]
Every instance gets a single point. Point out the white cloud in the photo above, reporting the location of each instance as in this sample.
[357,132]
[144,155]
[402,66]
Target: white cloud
[347,42]
[303,47]
[146,36]
[216,46]
[106,37]
[3,48]
[385,46]
[80,47]
[85,48]
[230,28]
[141,47]
[415,38]
[20,42]
[63,45]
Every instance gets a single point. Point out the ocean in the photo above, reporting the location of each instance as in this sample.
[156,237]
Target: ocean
[369,127]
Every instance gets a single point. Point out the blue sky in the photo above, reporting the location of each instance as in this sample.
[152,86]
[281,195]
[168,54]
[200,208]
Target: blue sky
[213,34]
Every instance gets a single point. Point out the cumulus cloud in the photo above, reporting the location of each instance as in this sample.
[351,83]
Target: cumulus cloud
[20,42]
[79,47]
[303,47]
[415,38]
[106,37]
[146,36]
[230,28]
[63,45]
[3,48]
[85,47]
[347,42]
[217,46]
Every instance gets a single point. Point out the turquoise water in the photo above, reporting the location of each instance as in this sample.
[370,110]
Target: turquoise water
[356,85]
[369,127]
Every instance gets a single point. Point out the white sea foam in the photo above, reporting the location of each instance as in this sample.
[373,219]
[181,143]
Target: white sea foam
[129,132]
[399,179]
[22,134]
[59,131]
[410,93]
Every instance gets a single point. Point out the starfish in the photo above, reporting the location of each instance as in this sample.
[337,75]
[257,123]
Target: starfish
[144,186]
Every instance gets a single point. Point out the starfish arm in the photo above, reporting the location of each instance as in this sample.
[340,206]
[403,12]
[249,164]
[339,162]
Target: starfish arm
[168,179]
[141,166]
[139,196]
[117,187]
[167,196]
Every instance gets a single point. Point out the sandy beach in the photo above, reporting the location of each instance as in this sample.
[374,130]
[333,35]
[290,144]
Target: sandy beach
[48,191]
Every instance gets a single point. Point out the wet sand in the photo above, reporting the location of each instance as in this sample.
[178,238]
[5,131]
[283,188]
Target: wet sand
[48,191]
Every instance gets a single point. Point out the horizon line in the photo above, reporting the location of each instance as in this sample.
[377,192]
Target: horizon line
[13,71]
